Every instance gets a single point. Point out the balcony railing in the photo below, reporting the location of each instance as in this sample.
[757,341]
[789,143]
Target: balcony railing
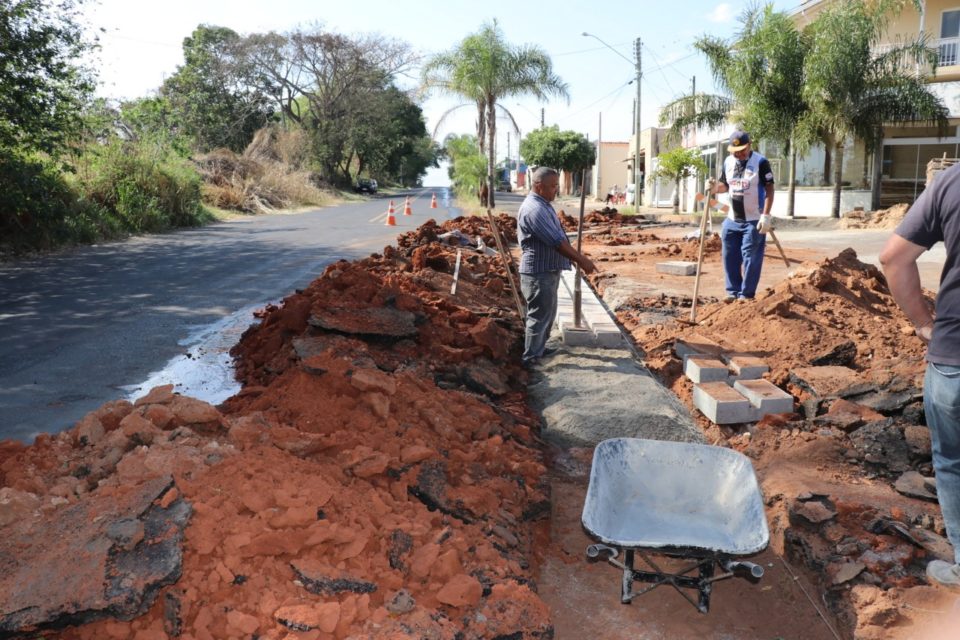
[948,52]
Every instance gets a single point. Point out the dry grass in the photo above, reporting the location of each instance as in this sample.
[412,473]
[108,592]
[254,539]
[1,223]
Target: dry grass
[267,177]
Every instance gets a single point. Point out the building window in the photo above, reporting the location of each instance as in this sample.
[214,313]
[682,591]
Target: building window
[949,38]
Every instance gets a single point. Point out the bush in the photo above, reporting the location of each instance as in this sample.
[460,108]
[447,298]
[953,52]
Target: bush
[34,202]
[143,188]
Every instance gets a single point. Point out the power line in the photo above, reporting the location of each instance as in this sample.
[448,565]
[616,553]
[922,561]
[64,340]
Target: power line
[571,53]
[651,52]
[593,104]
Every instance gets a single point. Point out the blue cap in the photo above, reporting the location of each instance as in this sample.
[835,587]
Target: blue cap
[738,141]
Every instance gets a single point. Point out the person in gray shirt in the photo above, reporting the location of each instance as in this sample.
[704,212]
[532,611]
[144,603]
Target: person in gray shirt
[545,252]
[935,217]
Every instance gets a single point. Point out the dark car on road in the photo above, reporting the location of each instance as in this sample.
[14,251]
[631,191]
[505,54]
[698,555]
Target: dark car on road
[366,185]
[504,185]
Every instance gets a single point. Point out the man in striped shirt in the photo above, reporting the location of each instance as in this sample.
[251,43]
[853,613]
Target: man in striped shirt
[546,252]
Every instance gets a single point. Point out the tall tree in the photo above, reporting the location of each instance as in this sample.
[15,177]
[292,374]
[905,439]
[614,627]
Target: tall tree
[325,82]
[854,92]
[43,86]
[214,93]
[485,69]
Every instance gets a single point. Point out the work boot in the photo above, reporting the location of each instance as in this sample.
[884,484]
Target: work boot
[944,574]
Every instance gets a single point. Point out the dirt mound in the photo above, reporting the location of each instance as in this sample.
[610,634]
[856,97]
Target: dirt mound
[808,317]
[598,217]
[464,229]
[880,219]
[689,250]
[379,474]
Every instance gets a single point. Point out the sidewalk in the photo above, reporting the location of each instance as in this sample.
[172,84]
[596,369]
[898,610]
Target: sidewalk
[587,395]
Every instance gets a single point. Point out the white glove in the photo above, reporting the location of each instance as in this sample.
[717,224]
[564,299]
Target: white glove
[766,223]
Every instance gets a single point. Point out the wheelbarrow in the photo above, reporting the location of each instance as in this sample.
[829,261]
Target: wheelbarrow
[695,502]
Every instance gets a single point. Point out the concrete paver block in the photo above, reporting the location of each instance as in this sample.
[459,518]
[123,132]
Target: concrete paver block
[723,404]
[702,369]
[696,345]
[765,396]
[608,339]
[677,268]
[747,367]
[575,337]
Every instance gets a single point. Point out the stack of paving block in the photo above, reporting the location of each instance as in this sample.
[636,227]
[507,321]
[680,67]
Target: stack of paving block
[728,387]
[597,328]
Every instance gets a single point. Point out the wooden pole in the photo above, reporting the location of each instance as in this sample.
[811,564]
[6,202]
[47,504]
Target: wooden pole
[577,294]
[507,263]
[703,236]
[777,242]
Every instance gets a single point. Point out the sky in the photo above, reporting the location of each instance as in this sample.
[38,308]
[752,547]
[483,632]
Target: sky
[141,45]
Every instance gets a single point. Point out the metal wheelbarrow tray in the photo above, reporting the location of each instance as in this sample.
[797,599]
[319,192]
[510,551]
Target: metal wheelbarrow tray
[684,500]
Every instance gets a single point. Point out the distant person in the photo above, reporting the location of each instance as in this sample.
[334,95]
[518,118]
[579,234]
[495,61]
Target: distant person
[748,177]
[545,253]
[611,195]
[935,217]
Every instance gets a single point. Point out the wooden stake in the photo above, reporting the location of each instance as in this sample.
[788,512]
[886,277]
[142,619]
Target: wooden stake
[456,274]
[507,263]
[696,282]
[577,293]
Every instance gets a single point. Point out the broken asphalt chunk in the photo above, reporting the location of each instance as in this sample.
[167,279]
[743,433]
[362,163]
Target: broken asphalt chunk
[121,549]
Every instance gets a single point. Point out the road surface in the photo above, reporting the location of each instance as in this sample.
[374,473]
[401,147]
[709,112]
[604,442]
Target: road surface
[88,325]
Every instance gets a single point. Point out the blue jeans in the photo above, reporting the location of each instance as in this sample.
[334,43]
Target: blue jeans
[743,246]
[540,292]
[941,404]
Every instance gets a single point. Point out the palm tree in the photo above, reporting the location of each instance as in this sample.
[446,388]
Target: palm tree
[484,69]
[760,71]
[853,91]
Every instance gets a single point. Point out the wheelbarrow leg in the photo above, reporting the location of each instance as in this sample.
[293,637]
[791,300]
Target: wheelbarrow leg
[625,595]
[707,568]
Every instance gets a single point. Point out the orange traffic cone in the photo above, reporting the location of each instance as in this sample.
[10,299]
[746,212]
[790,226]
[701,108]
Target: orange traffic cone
[433,202]
[407,211]
[391,219]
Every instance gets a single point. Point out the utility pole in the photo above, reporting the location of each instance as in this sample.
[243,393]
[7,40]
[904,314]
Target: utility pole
[599,146]
[636,158]
[541,117]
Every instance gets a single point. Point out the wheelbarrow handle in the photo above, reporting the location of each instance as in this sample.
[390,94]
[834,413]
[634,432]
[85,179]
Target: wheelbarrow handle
[594,551]
[732,566]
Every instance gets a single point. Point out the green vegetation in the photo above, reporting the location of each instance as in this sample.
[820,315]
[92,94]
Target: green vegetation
[485,69]
[561,150]
[232,127]
[824,84]
[468,167]
[852,92]
[679,164]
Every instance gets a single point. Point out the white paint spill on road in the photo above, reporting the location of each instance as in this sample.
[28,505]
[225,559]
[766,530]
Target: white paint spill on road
[206,371]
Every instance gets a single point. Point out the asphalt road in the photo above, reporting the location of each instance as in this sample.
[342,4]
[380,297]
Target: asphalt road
[79,327]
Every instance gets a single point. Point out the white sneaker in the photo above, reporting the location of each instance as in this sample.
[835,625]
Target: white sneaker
[944,574]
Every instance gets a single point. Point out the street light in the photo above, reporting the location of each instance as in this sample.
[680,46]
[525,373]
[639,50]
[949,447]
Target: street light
[636,124]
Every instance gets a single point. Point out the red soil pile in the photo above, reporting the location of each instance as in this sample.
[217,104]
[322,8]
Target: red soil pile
[838,306]
[688,250]
[379,475]
[880,219]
